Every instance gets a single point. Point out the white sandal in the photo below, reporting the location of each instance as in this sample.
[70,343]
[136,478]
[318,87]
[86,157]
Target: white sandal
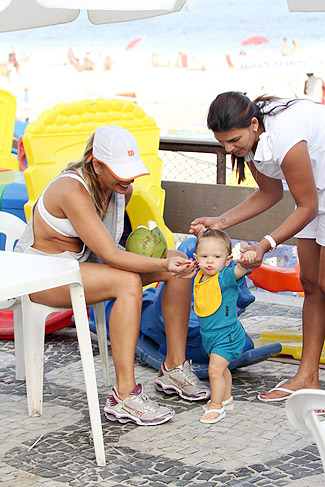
[278,387]
[227,406]
[222,414]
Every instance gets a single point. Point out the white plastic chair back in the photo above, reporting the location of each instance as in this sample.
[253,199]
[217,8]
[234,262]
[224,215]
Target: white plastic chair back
[12,227]
[300,409]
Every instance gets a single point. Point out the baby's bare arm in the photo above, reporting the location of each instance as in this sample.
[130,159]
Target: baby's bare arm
[243,267]
[240,271]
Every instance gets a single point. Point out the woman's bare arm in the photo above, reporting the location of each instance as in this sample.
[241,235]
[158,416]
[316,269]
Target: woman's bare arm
[78,207]
[269,192]
[297,170]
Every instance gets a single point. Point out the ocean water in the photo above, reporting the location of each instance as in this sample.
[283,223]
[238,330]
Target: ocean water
[216,27]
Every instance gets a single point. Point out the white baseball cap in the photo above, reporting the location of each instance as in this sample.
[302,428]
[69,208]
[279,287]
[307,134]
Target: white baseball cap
[117,148]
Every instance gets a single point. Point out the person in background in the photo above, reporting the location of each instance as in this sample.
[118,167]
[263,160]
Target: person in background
[293,48]
[89,64]
[80,215]
[284,47]
[314,87]
[12,57]
[71,57]
[108,63]
[281,139]
[215,303]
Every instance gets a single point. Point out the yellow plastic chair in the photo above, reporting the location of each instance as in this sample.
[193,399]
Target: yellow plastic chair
[7,123]
[249,182]
[60,134]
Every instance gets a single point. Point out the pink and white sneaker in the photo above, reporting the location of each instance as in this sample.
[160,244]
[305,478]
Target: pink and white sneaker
[182,381]
[137,407]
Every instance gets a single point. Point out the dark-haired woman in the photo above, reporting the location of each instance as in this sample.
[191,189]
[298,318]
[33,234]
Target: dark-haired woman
[281,139]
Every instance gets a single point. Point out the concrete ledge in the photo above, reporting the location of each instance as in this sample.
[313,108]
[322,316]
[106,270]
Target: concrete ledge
[276,298]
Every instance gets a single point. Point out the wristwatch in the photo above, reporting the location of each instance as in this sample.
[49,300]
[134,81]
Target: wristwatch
[272,242]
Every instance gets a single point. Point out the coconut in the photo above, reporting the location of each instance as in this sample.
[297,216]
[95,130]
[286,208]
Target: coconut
[148,241]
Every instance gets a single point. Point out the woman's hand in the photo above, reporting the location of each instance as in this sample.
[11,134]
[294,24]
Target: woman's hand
[199,225]
[181,267]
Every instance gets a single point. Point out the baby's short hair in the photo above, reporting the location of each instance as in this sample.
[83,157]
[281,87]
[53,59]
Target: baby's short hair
[218,235]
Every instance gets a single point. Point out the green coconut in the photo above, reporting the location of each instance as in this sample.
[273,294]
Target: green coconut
[148,241]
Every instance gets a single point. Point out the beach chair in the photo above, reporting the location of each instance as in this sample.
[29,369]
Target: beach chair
[7,122]
[12,227]
[300,410]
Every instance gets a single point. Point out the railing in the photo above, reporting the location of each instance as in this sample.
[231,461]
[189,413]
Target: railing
[188,199]
[199,146]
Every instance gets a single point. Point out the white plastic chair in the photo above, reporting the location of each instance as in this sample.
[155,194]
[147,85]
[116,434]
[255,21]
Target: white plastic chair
[12,227]
[300,409]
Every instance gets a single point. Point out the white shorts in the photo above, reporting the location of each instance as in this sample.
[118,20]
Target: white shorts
[315,229]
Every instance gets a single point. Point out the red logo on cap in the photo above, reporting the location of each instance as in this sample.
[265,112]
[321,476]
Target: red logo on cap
[131,153]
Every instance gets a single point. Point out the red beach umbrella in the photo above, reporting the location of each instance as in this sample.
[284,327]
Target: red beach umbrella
[255,40]
[133,43]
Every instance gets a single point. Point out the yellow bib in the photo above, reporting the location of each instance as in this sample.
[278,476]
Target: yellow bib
[207,295]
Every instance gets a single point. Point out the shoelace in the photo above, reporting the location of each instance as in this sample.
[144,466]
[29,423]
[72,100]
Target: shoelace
[191,376]
[150,404]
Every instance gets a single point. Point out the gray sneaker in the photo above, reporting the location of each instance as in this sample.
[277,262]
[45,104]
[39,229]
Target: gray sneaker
[137,407]
[183,381]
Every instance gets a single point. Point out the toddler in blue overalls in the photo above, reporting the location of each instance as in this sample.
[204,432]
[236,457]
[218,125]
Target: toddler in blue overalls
[215,299]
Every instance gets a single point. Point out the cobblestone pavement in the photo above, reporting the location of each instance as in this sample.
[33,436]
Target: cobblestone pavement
[253,446]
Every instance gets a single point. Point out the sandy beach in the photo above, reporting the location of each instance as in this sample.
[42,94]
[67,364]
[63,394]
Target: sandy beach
[176,97]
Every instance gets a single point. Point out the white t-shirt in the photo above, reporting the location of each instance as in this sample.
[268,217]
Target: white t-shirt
[303,120]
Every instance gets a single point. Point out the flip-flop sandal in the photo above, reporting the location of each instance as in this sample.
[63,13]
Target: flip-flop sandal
[277,388]
[227,406]
[222,414]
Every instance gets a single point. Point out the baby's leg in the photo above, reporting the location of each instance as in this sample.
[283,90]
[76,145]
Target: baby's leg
[228,398]
[219,385]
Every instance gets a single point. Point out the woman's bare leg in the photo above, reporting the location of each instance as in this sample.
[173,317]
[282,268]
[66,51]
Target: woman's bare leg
[312,268]
[176,305]
[102,283]
[176,375]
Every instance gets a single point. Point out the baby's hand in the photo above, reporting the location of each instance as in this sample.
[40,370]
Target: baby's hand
[197,229]
[249,256]
[199,225]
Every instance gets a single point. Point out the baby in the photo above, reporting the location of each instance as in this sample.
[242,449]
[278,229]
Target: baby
[215,299]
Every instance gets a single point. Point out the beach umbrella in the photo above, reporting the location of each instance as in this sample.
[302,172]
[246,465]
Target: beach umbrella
[27,14]
[254,40]
[133,43]
[303,6]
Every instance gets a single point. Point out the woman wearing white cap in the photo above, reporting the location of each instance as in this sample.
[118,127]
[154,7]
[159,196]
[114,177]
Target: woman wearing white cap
[81,215]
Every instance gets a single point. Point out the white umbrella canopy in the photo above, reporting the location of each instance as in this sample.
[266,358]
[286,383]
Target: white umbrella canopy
[306,5]
[28,14]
